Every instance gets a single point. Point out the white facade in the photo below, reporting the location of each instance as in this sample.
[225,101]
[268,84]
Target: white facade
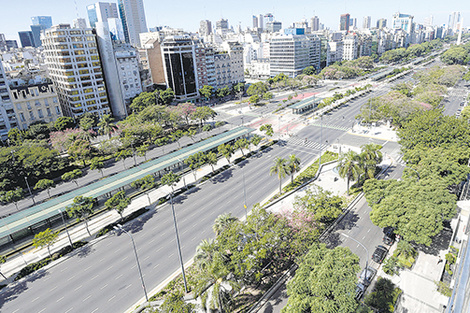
[33,103]
[75,69]
[366,22]
[259,68]
[100,12]
[79,23]
[334,52]
[128,70]
[133,20]
[7,113]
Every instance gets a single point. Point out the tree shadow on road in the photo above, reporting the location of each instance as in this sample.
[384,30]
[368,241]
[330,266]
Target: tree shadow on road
[348,222]
[138,223]
[12,291]
[84,251]
[333,240]
[222,177]
[184,196]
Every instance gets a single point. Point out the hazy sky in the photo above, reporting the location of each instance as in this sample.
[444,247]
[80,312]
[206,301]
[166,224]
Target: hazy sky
[15,15]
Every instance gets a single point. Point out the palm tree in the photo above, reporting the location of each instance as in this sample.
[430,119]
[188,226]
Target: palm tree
[370,156]
[106,125]
[211,159]
[222,222]
[348,166]
[280,168]
[205,252]
[294,166]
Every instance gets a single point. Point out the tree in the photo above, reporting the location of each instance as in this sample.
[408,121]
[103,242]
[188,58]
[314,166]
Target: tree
[13,196]
[293,165]
[370,157]
[142,150]
[255,140]
[97,164]
[80,150]
[226,150]
[3,260]
[64,122]
[87,121]
[206,91]
[348,167]
[118,202]
[45,184]
[324,282]
[72,175]
[309,70]
[166,96]
[45,239]
[281,169]
[211,159]
[268,96]
[81,208]
[145,184]
[321,203]
[170,179]
[416,209]
[383,296]
[268,129]
[15,136]
[205,253]
[203,114]
[222,222]
[195,161]
[258,89]
[123,155]
[241,144]
[254,99]
[162,141]
[455,55]
[106,125]
[174,303]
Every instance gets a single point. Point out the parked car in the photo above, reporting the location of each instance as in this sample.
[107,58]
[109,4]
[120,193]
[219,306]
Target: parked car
[389,236]
[366,278]
[379,254]
[360,290]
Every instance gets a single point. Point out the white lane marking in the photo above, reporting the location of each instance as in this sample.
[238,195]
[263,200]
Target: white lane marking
[118,277]
[77,288]
[87,268]
[95,276]
[42,310]
[125,258]
[58,300]
[127,286]
[147,257]
[70,278]
[86,298]
[53,288]
[112,298]
[109,267]
[69,310]
[368,230]
[94,310]
[104,287]
[156,266]
[169,256]
[32,300]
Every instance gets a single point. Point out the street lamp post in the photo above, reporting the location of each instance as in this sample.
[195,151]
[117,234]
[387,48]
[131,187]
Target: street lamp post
[367,251]
[244,193]
[119,227]
[321,139]
[178,243]
[66,229]
[29,188]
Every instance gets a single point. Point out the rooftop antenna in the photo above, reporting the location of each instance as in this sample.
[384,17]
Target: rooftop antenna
[76,7]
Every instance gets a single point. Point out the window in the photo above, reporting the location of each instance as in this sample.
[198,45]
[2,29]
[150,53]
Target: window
[31,115]
[22,117]
[18,106]
[49,112]
[57,110]
[40,114]
[54,100]
[28,105]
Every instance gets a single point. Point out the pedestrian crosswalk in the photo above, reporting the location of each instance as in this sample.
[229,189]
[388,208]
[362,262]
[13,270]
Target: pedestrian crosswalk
[330,125]
[306,143]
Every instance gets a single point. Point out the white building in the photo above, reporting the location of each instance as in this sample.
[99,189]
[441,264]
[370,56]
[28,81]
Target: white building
[75,69]
[79,23]
[133,20]
[366,22]
[100,12]
[7,113]
[33,103]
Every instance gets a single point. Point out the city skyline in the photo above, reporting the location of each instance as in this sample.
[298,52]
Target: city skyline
[187,15]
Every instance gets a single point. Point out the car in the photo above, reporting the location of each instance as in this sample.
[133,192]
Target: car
[366,277]
[379,254]
[360,290]
[389,235]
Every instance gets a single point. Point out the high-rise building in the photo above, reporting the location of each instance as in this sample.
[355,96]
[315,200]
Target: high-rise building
[366,22]
[352,23]
[290,54]
[79,23]
[403,21]
[261,21]
[133,20]
[26,38]
[344,22]
[350,47]
[268,17]
[273,27]
[315,24]
[179,65]
[42,20]
[205,28]
[36,31]
[454,19]
[100,12]
[7,113]
[115,28]
[381,23]
[73,60]
[255,21]
[222,24]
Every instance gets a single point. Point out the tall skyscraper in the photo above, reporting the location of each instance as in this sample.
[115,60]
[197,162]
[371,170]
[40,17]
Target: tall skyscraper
[315,24]
[366,22]
[352,23]
[100,12]
[79,23]
[454,19]
[261,21]
[36,31]
[179,59]
[205,28]
[344,22]
[381,23]
[403,21]
[222,24]
[26,38]
[42,20]
[133,20]
[75,69]
[255,21]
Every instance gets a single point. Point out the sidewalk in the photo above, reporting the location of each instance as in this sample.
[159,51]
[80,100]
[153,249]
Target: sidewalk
[21,259]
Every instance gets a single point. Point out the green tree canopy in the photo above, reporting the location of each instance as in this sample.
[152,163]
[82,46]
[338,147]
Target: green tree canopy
[81,208]
[324,282]
[45,184]
[118,202]
[45,239]
[64,122]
